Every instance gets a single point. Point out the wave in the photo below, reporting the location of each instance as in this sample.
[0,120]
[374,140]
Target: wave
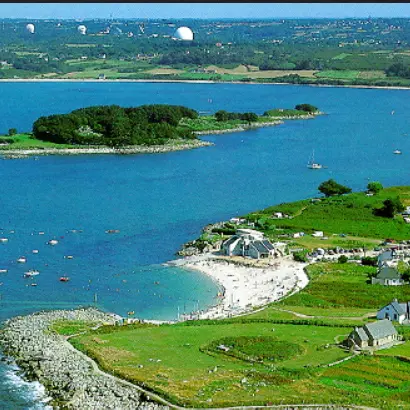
[17,393]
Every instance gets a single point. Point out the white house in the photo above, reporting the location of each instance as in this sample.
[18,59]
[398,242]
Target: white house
[248,242]
[318,234]
[388,276]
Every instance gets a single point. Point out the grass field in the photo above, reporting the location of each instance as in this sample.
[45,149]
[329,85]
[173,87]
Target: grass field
[350,214]
[25,141]
[176,361]
[346,286]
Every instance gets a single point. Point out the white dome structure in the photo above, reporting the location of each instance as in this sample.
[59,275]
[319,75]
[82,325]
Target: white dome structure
[184,33]
[30,28]
[82,29]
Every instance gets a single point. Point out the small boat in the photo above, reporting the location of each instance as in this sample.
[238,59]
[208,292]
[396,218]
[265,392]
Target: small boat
[3,270]
[31,273]
[22,259]
[52,242]
[312,164]
[112,231]
[397,151]
[35,251]
[34,284]
[64,279]
[3,240]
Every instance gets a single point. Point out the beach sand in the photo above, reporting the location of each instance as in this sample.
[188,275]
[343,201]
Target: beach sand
[245,288]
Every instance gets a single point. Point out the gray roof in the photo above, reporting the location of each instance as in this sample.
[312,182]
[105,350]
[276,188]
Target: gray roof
[397,307]
[231,240]
[362,334]
[387,272]
[260,247]
[385,256]
[268,244]
[380,329]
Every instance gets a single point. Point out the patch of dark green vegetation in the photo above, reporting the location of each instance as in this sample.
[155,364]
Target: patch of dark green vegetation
[261,349]
[115,126]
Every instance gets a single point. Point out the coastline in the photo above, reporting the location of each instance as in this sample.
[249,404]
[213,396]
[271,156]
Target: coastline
[125,80]
[245,285]
[155,149]
[71,378]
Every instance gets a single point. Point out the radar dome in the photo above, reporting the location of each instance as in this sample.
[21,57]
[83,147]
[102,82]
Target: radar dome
[30,28]
[82,29]
[184,33]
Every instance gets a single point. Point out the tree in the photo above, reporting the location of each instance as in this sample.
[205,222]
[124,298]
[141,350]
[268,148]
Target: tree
[222,115]
[391,206]
[331,187]
[12,131]
[249,117]
[374,186]
[306,107]
[342,259]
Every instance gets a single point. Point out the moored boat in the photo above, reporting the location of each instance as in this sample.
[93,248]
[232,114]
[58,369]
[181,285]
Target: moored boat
[31,273]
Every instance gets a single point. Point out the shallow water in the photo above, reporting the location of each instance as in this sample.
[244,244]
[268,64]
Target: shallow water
[158,202]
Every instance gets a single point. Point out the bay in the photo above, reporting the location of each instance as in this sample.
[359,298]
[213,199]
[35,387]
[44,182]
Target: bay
[159,201]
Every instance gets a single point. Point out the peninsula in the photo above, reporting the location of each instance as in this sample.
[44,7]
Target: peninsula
[145,129]
[243,352]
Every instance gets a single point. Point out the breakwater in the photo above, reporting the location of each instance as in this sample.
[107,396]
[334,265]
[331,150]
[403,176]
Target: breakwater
[70,378]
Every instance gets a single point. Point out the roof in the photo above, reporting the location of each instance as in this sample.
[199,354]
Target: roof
[268,245]
[260,247]
[362,334]
[397,307]
[230,241]
[385,256]
[387,272]
[380,329]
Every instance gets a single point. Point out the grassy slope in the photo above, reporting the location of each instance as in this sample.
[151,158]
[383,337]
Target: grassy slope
[349,214]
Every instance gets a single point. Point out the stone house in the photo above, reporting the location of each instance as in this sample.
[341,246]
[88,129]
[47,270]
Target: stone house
[388,276]
[373,336]
[248,242]
[395,311]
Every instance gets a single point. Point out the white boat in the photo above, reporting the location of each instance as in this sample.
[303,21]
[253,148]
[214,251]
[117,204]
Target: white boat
[31,273]
[52,242]
[312,164]
[397,151]
[22,259]
[3,240]
[3,270]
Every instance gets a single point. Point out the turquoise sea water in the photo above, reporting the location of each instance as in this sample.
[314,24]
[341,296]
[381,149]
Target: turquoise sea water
[158,202]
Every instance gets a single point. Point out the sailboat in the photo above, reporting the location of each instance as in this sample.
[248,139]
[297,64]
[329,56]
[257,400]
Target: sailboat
[312,164]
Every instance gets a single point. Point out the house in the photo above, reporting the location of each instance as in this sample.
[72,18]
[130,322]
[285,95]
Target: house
[372,336]
[318,234]
[386,258]
[388,276]
[248,242]
[395,311]
[101,76]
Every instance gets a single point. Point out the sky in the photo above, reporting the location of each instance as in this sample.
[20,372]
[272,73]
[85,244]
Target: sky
[201,10]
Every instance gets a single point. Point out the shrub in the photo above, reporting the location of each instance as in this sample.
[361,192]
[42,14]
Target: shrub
[342,259]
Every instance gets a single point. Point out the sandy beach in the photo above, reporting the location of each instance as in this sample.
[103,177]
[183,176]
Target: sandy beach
[245,288]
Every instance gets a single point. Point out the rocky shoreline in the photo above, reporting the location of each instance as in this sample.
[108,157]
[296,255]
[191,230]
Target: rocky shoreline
[70,378]
[155,149]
